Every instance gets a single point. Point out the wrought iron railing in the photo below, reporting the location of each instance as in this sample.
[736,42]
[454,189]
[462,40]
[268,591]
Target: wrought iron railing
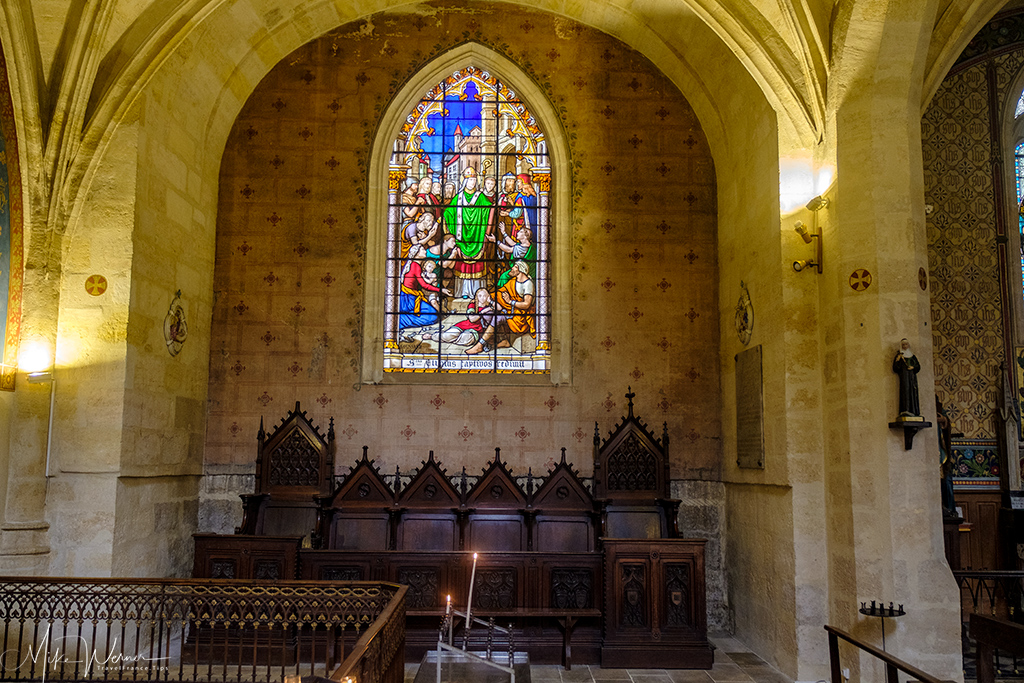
[196,630]
[893,665]
[379,654]
[993,593]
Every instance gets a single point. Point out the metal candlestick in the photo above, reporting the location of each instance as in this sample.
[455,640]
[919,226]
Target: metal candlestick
[883,613]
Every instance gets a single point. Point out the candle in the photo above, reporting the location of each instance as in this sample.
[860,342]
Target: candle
[448,607]
[469,603]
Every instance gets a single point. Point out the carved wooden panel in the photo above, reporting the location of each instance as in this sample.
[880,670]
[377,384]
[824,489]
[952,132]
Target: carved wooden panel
[655,614]
[495,588]
[572,588]
[677,595]
[633,596]
[430,488]
[341,574]
[238,556]
[267,570]
[633,467]
[497,488]
[223,569]
[296,462]
[423,583]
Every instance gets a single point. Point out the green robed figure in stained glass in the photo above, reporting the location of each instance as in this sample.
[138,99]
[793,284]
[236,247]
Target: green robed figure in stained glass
[468,217]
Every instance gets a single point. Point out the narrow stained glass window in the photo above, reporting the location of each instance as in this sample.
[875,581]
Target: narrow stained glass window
[467,273]
[1018,164]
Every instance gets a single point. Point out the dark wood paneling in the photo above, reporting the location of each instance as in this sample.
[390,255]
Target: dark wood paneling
[979,543]
[655,611]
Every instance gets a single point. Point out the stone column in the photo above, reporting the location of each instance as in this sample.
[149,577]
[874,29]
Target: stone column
[24,536]
[883,514]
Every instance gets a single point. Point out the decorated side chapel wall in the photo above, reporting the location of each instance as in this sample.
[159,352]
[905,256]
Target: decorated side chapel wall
[291,228]
[967,319]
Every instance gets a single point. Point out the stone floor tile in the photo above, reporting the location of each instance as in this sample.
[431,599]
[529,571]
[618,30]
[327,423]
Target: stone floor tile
[728,673]
[745,658]
[546,672]
[579,674]
[600,674]
[647,676]
[726,643]
[689,676]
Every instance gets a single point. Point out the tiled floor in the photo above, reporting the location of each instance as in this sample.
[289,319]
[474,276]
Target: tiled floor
[734,663]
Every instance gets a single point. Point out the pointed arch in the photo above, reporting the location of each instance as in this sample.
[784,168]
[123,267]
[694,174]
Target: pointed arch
[553,307]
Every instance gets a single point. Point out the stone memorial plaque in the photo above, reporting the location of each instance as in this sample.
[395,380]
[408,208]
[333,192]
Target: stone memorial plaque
[749,409]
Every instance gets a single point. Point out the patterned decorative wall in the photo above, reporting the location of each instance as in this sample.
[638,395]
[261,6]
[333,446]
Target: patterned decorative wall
[966,316]
[289,280]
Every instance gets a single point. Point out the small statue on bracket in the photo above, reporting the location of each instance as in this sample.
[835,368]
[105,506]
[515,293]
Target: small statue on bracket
[906,365]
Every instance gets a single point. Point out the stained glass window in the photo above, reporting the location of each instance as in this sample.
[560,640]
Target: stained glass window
[1020,107]
[1018,164]
[467,274]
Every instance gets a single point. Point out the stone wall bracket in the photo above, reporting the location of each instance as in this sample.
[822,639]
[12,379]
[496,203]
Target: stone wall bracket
[910,430]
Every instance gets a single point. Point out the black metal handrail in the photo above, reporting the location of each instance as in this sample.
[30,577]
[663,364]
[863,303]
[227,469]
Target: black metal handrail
[997,593]
[992,635]
[168,629]
[893,665]
[994,594]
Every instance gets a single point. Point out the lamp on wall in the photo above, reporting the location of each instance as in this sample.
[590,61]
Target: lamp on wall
[809,236]
[817,203]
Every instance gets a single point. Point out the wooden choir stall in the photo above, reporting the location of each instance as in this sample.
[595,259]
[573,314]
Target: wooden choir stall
[595,574]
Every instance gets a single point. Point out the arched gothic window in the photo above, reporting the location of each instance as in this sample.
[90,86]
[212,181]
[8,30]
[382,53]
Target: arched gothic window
[1018,166]
[467,271]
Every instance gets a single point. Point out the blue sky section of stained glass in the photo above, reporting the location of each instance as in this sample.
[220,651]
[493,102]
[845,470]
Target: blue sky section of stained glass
[464,114]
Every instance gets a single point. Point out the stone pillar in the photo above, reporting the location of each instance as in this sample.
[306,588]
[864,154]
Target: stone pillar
[24,536]
[883,514]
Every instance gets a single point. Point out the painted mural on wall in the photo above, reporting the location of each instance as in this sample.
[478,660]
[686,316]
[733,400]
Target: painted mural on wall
[10,236]
[468,233]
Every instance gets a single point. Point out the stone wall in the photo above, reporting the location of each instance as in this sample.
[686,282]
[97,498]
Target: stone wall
[288,318]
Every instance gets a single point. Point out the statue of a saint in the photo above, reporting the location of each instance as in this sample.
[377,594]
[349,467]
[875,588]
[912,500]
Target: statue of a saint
[945,459]
[906,365]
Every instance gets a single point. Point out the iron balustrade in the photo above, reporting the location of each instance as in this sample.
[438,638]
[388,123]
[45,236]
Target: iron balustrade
[990,635]
[196,630]
[991,593]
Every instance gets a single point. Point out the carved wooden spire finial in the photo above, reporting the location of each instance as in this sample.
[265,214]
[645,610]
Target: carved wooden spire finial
[629,397]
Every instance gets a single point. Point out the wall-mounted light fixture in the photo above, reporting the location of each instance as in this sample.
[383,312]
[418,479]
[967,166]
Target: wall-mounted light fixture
[809,236]
[817,203]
